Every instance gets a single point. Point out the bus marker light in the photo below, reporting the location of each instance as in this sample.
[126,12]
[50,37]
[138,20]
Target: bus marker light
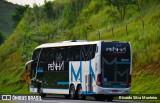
[114,90]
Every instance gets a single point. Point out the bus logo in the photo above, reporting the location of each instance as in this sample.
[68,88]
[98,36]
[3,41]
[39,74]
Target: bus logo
[56,66]
[116,49]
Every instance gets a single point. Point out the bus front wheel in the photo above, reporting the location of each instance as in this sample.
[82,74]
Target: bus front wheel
[72,92]
[40,90]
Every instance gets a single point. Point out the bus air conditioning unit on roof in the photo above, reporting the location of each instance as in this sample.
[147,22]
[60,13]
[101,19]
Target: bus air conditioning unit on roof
[76,41]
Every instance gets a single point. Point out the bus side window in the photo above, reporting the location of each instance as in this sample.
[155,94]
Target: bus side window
[76,53]
[54,52]
[69,54]
[43,59]
[36,54]
[35,57]
[88,52]
[64,53]
[51,55]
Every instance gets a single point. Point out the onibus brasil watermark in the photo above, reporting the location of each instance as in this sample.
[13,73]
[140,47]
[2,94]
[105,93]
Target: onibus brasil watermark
[20,97]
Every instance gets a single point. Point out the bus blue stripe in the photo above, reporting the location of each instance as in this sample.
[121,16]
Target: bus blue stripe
[88,93]
[39,70]
[122,62]
[63,83]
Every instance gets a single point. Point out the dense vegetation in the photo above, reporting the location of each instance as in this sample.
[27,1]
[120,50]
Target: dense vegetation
[86,19]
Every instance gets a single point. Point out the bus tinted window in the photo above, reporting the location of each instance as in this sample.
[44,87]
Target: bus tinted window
[72,53]
[75,53]
[69,54]
[36,54]
[88,52]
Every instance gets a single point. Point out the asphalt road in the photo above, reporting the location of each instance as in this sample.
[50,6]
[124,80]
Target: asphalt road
[61,99]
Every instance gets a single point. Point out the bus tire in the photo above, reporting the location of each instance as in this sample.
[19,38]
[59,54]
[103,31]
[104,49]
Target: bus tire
[109,98]
[40,90]
[72,92]
[79,93]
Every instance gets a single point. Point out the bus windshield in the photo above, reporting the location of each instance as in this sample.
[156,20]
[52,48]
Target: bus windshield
[116,64]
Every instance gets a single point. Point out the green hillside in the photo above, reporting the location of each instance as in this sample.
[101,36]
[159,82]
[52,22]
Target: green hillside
[81,19]
[6,11]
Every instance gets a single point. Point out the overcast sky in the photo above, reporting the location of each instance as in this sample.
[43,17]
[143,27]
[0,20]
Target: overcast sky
[29,2]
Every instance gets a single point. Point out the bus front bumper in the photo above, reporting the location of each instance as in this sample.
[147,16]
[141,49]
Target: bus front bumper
[112,91]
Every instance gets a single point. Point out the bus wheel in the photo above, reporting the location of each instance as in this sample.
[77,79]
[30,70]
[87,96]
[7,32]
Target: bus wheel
[99,98]
[66,96]
[40,91]
[109,98]
[79,93]
[72,92]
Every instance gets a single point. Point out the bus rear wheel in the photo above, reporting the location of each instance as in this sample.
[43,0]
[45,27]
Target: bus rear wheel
[40,90]
[72,92]
[79,93]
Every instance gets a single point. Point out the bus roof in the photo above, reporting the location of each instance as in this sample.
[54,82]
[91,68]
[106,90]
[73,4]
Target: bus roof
[66,43]
[71,43]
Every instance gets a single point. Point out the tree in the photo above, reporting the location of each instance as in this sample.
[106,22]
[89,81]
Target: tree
[48,8]
[18,14]
[1,38]
[121,5]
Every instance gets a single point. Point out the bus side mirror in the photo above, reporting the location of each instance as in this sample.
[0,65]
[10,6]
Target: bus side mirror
[26,67]
[27,64]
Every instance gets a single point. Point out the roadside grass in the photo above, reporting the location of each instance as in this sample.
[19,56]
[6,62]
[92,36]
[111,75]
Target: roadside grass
[145,83]
[7,102]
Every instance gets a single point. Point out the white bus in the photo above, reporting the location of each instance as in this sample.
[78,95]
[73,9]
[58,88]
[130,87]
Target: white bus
[101,69]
